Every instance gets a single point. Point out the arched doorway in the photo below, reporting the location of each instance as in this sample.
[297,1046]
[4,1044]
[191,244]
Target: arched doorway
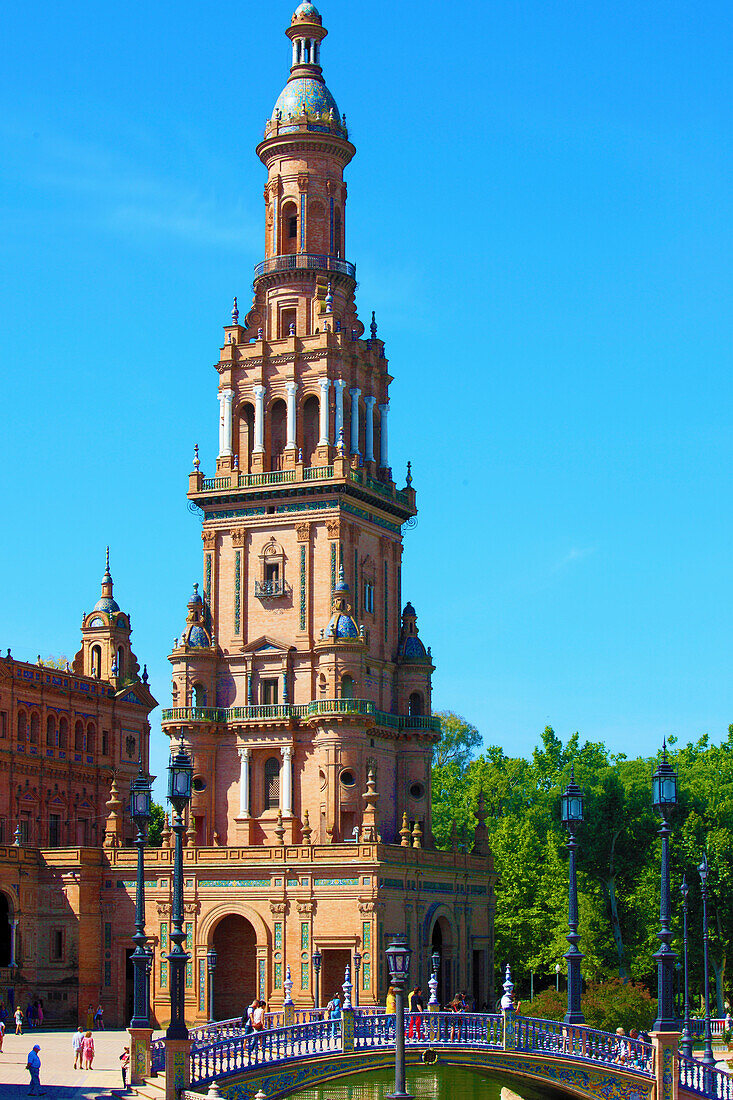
[6,915]
[235,979]
[441,942]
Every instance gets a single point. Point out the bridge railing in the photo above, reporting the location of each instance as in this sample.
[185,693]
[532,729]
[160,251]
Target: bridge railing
[704,1080]
[157,1055]
[237,1053]
[585,1043]
[223,1029]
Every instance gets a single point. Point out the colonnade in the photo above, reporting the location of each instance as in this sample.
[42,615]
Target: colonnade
[226,399]
[286,780]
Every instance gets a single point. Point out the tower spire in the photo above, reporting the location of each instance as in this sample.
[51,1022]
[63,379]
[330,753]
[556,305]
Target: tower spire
[107,579]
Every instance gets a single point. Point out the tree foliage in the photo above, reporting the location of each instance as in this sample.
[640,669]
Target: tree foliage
[155,829]
[618,854]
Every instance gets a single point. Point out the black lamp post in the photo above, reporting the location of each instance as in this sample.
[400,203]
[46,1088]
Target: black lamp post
[211,967]
[180,771]
[707,1057]
[572,816]
[686,1038]
[148,972]
[357,964]
[316,959]
[398,958]
[433,981]
[664,798]
[140,812]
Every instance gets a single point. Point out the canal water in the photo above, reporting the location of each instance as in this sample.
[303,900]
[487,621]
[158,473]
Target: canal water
[425,1083]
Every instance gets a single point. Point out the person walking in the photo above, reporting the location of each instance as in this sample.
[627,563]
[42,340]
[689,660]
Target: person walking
[124,1063]
[76,1040]
[99,1018]
[390,1010]
[2,1034]
[87,1050]
[417,1007]
[334,1013]
[19,1021]
[258,1021]
[90,1018]
[33,1066]
[39,1012]
[30,1015]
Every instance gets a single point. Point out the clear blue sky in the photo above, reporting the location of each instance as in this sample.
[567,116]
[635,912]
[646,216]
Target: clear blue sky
[540,213]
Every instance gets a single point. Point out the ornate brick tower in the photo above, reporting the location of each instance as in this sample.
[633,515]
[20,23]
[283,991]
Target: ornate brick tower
[301,687]
[295,658]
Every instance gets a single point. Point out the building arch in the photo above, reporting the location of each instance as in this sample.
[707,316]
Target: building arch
[310,419]
[271,783]
[198,695]
[91,736]
[278,433]
[78,736]
[22,726]
[7,914]
[288,227]
[63,732]
[96,661]
[439,934]
[35,727]
[246,424]
[415,704]
[216,915]
[51,731]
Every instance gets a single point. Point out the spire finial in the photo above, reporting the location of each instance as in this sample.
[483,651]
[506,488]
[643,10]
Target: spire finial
[408,479]
[196,460]
[235,312]
[373,326]
[329,299]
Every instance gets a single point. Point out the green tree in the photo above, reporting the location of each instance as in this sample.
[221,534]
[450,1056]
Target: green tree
[155,829]
[458,742]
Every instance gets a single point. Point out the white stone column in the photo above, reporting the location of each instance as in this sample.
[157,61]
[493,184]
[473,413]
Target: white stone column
[339,386]
[383,448]
[292,389]
[244,758]
[13,939]
[369,403]
[286,781]
[259,392]
[355,395]
[225,422]
[324,440]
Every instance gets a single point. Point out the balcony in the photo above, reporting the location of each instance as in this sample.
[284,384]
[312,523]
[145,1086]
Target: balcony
[305,261]
[299,712]
[270,590]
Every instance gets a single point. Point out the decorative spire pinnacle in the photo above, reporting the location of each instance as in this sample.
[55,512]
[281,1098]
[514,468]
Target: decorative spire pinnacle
[369,816]
[373,327]
[340,451]
[196,460]
[329,299]
[405,832]
[235,312]
[408,479]
[306,829]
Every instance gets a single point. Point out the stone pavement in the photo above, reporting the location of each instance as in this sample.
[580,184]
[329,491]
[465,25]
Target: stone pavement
[59,1079]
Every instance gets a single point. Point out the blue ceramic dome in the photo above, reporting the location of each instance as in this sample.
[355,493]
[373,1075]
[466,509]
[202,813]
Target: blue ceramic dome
[198,638]
[304,95]
[414,647]
[307,12]
[195,597]
[342,626]
[106,604]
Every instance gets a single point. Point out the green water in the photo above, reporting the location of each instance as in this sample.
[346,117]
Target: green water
[424,1082]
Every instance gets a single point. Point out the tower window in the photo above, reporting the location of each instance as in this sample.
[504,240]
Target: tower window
[35,728]
[272,572]
[272,783]
[199,695]
[21,725]
[57,943]
[63,732]
[369,597]
[54,830]
[293,227]
[269,692]
[51,732]
[414,705]
[96,661]
[287,320]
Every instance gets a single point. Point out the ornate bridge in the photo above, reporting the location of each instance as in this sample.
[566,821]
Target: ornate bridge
[572,1061]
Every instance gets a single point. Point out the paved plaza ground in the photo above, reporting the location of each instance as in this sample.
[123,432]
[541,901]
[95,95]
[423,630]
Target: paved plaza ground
[59,1079]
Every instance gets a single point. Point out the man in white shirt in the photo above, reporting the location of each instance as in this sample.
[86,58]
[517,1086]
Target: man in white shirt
[76,1039]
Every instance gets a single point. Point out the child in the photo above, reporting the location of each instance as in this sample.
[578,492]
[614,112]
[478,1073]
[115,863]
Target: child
[124,1063]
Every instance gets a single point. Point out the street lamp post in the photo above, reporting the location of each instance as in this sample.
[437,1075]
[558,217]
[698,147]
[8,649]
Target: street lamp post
[664,798]
[686,1037]
[180,770]
[558,968]
[433,1002]
[211,967]
[316,959]
[148,972]
[357,964]
[398,959]
[572,815]
[708,1057]
[140,812]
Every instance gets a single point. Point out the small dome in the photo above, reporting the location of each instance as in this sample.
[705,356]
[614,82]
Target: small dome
[414,649]
[306,95]
[198,638]
[342,626]
[106,604]
[409,610]
[195,596]
[306,13]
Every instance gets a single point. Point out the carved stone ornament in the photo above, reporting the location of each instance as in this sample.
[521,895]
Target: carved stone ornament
[368,906]
[191,908]
[275,186]
[303,181]
[304,531]
[306,908]
[209,539]
[353,532]
[278,908]
[239,536]
[333,526]
[163,908]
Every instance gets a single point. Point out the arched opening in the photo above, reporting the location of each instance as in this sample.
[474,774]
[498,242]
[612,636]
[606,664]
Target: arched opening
[311,428]
[198,695]
[316,231]
[441,942]
[337,241]
[415,704]
[288,228]
[51,732]
[278,433]
[347,687]
[91,736]
[120,661]
[35,728]
[322,685]
[63,732]
[272,783]
[376,434]
[246,418]
[22,726]
[79,736]
[6,915]
[235,977]
[96,661]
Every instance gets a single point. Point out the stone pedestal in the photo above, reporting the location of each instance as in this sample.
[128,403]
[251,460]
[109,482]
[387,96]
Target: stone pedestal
[140,1054]
[666,1063]
[347,1030]
[510,1029]
[177,1067]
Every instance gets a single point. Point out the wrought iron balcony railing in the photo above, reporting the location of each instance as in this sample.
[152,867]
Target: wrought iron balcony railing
[270,590]
[302,711]
[305,261]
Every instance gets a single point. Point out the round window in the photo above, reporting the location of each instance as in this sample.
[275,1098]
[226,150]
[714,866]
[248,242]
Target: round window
[347,778]
[417,790]
[199,783]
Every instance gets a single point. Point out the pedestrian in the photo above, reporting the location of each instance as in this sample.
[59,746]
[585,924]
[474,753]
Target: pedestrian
[417,1007]
[99,1018]
[2,1034]
[76,1040]
[456,1007]
[90,1018]
[334,1013]
[19,1021]
[87,1050]
[390,1011]
[622,1047]
[258,1021]
[33,1066]
[39,1012]
[124,1063]
[30,1015]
